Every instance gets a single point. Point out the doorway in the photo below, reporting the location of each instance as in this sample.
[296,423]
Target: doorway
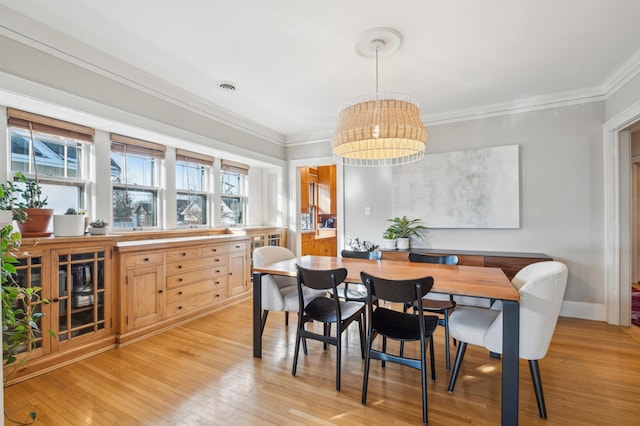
[635,224]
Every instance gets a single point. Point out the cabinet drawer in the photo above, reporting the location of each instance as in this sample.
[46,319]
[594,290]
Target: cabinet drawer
[183,254]
[187,291]
[214,250]
[190,265]
[144,259]
[214,273]
[187,305]
[237,247]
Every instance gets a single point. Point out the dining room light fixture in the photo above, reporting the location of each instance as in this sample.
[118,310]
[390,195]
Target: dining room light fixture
[380,129]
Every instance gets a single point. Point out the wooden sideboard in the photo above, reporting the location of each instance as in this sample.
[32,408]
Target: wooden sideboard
[509,262]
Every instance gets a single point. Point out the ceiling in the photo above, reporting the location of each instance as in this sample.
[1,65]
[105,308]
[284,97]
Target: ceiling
[294,62]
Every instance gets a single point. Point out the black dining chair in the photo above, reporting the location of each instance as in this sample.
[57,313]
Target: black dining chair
[326,310]
[437,303]
[400,326]
[356,292]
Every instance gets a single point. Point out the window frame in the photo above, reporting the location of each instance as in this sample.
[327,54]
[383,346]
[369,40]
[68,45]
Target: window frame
[208,190]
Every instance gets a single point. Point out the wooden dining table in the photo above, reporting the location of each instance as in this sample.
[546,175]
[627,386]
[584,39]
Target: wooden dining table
[474,281]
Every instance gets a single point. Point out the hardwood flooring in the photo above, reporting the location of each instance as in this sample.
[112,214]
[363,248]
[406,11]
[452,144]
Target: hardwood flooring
[203,373]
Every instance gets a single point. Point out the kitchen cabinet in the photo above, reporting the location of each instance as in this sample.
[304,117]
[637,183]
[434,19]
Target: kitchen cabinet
[311,245]
[74,275]
[173,280]
[327,190]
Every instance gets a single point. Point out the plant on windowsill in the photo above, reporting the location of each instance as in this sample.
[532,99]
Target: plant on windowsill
[406,228]
[73,223]
[30,201]
[98,227]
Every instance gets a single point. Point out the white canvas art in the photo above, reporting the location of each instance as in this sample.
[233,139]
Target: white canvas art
[477,188]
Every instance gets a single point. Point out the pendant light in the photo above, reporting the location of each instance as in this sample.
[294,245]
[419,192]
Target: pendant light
[380,129]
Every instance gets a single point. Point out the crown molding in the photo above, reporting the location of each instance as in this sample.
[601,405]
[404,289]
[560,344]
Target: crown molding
[529,104]
[31,33]
[622,74]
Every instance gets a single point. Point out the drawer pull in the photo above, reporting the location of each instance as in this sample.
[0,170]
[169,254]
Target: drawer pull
[217,260]
[184,254]
[217,271]
[179,307]
[217,295]
[230,273]
[146,259]
[237,246]
[179,293]
[56,300]
[217,282]
[179,280]
[179,266]
[160,291]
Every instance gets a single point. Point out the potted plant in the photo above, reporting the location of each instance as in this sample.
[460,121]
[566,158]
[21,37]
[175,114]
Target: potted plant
[98,227]
[9,208]
[36,217]
[70,224]
[389,239]
[406,228]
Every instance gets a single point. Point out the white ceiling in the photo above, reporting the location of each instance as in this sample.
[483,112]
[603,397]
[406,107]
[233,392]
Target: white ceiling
[294,61]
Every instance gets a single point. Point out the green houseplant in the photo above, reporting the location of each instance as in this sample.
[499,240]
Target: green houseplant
[406,228]
[389,238]
[37,218]
[98,227]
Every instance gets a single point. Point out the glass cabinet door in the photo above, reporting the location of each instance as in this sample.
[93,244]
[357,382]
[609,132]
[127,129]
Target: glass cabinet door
[81,294]
[30,272]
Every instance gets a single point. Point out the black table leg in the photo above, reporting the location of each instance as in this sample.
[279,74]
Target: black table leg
[257,315]
[510,361]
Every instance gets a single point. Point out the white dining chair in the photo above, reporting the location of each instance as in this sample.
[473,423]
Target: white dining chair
[279,293]
[541,286]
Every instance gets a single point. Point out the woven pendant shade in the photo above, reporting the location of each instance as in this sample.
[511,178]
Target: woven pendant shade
[383,131]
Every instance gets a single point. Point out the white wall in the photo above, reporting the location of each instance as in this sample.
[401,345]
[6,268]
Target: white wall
[561,193]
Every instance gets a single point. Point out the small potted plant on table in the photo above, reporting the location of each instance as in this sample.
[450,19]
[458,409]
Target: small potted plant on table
[406,228]
[389,239]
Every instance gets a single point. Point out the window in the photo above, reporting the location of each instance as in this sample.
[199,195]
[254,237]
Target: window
[233,198]
[54,152]
[193,173]
[135,182]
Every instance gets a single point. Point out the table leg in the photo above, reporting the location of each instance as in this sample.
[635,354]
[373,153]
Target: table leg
[510,362]
[257,315]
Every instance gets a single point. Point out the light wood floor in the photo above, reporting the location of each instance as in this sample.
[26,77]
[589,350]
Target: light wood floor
[203,373]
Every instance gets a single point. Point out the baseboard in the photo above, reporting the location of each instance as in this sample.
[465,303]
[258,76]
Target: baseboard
[582,310]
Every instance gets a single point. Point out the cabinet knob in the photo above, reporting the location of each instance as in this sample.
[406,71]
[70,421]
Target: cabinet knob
[237,246]
[159,291]
[217,260]
[179,307]
[56,300]
[184,254]
[146,259]
[230,273]
[217,282]
[179,293]
[179,280]
[217,271]
[217,295]
[179,266]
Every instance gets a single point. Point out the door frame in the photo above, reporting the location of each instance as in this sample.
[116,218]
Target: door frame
[617,215]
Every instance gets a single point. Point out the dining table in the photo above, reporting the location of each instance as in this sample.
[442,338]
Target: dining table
[473,281]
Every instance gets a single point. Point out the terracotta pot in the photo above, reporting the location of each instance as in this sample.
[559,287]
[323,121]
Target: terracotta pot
[37,223]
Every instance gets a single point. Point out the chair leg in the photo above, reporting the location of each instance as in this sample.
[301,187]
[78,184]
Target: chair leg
[462,347]
[384,349]
[361,330]
[297,350]
[264,320]
[433,362]
[367,363]
[338,355]
[423,374]
[286,318]
[447,347]
[537,385]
